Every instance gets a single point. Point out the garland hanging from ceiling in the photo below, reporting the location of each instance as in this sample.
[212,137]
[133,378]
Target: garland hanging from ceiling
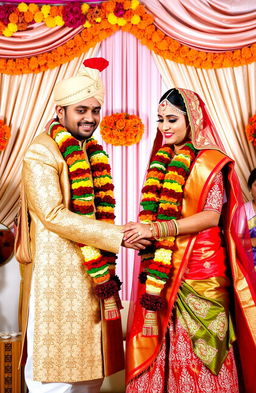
[99,22]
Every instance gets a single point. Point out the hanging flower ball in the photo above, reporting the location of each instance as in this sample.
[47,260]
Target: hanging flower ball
[121,129]
[251,130]
[5,133]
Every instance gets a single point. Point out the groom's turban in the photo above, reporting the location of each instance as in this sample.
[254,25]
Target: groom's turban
[86,84]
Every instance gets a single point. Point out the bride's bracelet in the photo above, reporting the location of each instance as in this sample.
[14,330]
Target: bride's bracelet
[162,229]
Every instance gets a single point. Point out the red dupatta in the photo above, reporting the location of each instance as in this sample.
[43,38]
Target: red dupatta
[141,351]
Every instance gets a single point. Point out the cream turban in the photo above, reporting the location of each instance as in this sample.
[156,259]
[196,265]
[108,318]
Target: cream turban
[85,85]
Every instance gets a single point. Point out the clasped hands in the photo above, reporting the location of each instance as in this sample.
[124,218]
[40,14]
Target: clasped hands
[136,235]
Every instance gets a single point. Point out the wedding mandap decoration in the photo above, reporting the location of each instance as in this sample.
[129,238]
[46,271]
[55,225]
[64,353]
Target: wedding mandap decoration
[96,22]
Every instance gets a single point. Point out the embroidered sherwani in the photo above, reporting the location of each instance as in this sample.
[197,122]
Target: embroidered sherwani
[67,329]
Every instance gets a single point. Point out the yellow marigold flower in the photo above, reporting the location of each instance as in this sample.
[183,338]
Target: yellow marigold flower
[112,19]
[12,27]
[99,158]
[87,24]
[7,32]
[82,183]
[78,165]
[90,253]
[173,186]
[105,209]
[45,10]
[85,7]
[22,7]
[150,182]
[58,20]
[163,255]
[121,22]
[98,20]
[50,21]
[102,181]
[135,20]
[38,17]
[134,4]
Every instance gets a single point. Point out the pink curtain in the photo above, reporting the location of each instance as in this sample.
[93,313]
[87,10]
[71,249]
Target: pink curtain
[211,25]
[36,40]
[133,85]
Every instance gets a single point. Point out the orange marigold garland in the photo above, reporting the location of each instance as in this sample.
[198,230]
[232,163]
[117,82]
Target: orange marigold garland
[162,197]
[5,133]
[121,129]
[251,130]
[100,22]
[86,193]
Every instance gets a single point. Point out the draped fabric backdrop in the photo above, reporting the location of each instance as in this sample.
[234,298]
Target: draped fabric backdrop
[128,90]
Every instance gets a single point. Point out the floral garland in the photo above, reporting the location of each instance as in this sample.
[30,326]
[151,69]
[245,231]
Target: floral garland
[162,201]
[100,265]
[121,129]
[251,130]
[99,22]
[5,133]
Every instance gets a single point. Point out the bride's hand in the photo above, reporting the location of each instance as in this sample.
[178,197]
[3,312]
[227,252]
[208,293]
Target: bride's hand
[135,231]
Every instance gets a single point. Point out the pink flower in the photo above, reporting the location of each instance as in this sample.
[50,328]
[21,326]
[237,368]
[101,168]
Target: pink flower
[119,10]
[73,16]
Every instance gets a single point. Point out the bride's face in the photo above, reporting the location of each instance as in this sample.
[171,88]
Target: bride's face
[173,125]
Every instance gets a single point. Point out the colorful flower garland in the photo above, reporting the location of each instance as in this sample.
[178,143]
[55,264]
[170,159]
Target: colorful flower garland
[85,193]
[100,22]
[5,133]
[162,201]
[251,130]
[121,129]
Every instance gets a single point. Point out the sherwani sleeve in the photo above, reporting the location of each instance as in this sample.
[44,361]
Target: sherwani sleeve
[43,188]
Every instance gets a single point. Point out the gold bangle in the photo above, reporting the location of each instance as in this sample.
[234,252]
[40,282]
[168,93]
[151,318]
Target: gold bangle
[176,227]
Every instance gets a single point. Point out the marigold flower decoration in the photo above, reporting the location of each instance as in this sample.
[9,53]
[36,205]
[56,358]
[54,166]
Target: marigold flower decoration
[121,129]
[5,133]
[251,130]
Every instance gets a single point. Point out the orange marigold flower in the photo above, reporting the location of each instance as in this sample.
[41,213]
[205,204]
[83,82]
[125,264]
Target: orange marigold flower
[109,6]
[33,63]
[150,30]
[140,10]
[28,16]
[246,52]
[54,11]
[22,26]
[250,130]
[5,133]
[127,4]
[33,8]
[120,124]
[2,26]
[237,54]
[192,54]
[157,36]
[128,15]
[163,45]
[184,50]
[13,17]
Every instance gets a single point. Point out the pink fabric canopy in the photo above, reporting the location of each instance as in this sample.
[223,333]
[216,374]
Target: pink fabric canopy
[37,39]
[211,25]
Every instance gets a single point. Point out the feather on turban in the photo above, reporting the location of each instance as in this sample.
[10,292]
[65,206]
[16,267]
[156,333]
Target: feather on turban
[86,84]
